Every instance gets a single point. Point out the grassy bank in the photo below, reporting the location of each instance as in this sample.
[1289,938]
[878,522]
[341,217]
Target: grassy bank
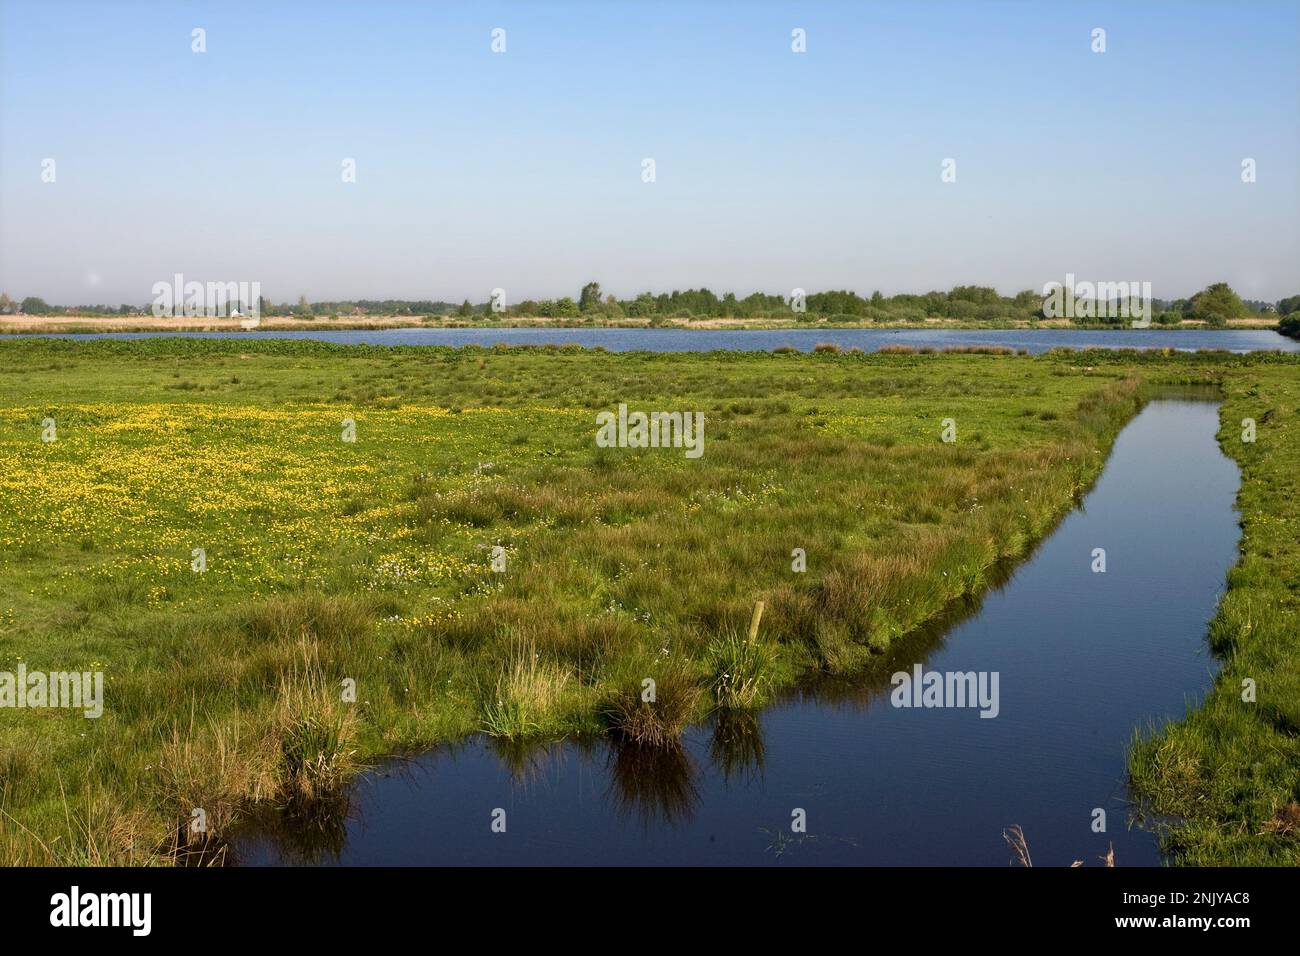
[371,561]
[1231,770]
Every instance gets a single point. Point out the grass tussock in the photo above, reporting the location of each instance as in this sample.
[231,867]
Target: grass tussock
[315,733]
[528,699]
[742,670]
[653,711]
[207,777]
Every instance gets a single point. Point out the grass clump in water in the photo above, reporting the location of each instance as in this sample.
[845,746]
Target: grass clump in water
[654,710]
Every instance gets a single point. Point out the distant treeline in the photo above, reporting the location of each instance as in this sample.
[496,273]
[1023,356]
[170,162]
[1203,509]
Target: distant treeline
[1216,304]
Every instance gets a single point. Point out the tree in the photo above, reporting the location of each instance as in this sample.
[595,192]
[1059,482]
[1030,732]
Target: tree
[589,299]
[1217,302]
[642,305]
[6,303]
[465,310]
[304,307]
[35,306]
[1288,305]
[979,294]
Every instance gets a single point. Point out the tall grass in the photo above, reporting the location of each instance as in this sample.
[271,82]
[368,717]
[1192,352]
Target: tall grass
[624,564]
[742,670]
[528,697]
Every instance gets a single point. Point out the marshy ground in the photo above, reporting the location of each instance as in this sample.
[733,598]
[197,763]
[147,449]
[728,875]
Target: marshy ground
[371,561]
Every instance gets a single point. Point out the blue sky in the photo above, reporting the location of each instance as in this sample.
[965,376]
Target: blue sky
[522,170]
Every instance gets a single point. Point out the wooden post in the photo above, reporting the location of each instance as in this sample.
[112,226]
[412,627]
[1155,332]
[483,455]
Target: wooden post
[753,621]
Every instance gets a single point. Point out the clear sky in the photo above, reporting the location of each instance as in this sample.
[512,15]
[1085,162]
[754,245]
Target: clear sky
[523,170]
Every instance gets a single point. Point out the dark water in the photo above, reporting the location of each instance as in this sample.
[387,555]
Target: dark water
[1082,659]
[704,340]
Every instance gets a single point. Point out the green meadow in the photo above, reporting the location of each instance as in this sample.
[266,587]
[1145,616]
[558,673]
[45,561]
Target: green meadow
[290,559]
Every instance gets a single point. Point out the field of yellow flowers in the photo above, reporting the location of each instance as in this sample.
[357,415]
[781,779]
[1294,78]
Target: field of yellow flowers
[289,559]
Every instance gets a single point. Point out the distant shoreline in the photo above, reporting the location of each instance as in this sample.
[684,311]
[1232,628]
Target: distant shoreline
[54,325]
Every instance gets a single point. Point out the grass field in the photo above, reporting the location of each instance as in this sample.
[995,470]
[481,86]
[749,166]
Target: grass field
[371,561]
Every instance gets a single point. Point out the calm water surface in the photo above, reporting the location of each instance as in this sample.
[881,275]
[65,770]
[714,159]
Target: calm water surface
[703,340]
[1083,658]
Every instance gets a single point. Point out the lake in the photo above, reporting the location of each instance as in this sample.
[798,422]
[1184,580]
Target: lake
[1082,659]
[705,340]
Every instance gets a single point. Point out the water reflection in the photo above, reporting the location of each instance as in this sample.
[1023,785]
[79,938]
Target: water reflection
[1084,659]
[307,832]
[736,746]
[652,785]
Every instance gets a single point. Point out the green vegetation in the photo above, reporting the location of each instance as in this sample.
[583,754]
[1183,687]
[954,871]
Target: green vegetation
[371,561]
[967,305]
[1231,770]
[741,670]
